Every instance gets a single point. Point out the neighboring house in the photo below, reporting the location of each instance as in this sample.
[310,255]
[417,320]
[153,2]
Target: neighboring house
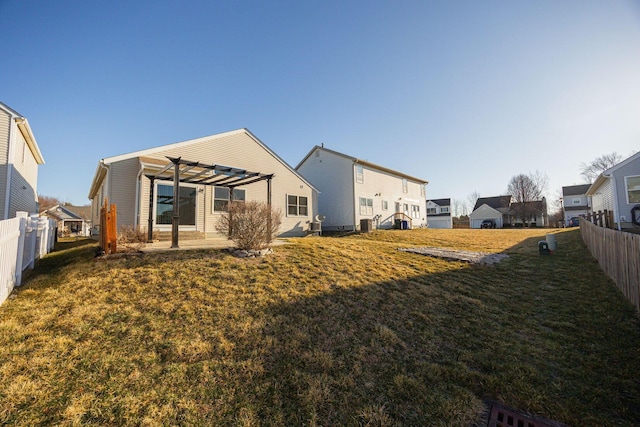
[617,189]
[71,220]
[140,184]
[531,214]
[439,213]
[352,190]
[575,202]
[19,160]
[492,208]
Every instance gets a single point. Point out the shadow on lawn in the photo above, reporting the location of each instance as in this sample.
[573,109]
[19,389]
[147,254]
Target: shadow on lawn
[64,253]
[545,334]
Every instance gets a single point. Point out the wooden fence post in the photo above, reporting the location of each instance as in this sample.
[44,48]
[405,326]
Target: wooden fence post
[108,228]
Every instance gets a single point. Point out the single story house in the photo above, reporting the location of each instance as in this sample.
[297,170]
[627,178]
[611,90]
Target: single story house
[617,189]
[491,208]
[355,192]
[439,213]
[71,220]
[19,160]
[575,202]
[211,171]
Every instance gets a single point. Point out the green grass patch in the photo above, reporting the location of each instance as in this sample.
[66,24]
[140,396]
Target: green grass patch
[325,331]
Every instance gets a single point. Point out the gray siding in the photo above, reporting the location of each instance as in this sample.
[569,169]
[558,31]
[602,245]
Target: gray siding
[5,121]
[630,169]
[603,197]
[23,196]
[122,182]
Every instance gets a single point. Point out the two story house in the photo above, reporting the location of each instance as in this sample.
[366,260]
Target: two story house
[352,189]
[575,202]
[495,208]
[19,160]
[439,213]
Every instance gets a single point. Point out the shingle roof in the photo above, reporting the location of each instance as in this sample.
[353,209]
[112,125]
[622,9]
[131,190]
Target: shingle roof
[440,202]
[497,202]
[575,190]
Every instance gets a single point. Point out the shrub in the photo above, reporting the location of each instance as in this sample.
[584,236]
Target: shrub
[131,238]
[246,223]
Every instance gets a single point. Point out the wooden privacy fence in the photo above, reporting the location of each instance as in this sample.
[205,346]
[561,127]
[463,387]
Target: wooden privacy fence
[601,218]
[23,239]
[108,232]
[618,254]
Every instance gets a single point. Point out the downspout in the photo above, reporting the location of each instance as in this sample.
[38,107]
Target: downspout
[136,220]
[356,203]
[10,154]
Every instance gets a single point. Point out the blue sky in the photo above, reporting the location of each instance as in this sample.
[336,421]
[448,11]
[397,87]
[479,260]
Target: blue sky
[465,94]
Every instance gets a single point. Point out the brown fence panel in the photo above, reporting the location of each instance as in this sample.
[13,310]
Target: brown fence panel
[618,254]
[108,228]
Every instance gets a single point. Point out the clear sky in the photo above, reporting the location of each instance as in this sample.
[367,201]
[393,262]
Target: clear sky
[464,94]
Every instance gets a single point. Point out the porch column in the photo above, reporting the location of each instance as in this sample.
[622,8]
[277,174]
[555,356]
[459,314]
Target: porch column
[269,205]
[150,220]
[175,220]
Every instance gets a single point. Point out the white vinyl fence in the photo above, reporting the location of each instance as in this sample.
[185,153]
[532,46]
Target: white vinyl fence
[22,240]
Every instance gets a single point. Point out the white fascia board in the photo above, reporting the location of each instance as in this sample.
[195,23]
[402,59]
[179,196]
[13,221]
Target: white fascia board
[108,160]
[25,130]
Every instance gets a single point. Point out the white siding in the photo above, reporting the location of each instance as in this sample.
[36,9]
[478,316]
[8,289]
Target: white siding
[482,213]
[603,197]
[333,176]
[382,186]
[440,222]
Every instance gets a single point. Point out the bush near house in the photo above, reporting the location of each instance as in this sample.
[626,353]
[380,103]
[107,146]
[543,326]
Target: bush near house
[325,331]
[247,224]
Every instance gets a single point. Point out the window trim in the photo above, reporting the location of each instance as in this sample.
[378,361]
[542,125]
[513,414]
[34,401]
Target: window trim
[405,185]
[385,205]
[445,209]
[415,211]
[359,174]
[213,198]
[297,205]
[626,188]
[368,206]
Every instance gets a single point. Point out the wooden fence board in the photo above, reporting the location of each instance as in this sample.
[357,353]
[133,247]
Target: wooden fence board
[618,254]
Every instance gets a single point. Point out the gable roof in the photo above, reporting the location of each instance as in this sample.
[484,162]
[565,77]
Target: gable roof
[362,162]
[497,202]
[575,190]
[69,212]
[100,172]
[607,173]
[25,130]
[440,202]
[536,205]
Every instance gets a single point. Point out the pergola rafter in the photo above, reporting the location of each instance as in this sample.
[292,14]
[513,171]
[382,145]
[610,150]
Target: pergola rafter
[190,172]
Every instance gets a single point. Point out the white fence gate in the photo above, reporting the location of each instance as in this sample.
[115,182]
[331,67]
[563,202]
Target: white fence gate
[22,240]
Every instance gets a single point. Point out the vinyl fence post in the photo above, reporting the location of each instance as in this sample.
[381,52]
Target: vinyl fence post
[32,232]
[23,226]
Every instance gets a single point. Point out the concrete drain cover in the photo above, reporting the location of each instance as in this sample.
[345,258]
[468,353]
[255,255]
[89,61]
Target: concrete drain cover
[499,416]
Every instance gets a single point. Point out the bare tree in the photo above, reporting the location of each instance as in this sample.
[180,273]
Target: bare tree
[472,199]
[459,207]
[47,202]
[524,190]
[590,171]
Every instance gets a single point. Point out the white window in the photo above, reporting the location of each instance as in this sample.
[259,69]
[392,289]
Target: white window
[405,186]
[444,209]
[405,209]
[415,211]
[576,201]
[297,206]
[366,206]
[633,188]
[359,174]
[431,211]
[221,198]
[385,205]
[422,192]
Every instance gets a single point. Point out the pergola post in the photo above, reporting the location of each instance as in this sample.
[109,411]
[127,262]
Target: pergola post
[229,211]
[150,220]
[175,220]
[269,206]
